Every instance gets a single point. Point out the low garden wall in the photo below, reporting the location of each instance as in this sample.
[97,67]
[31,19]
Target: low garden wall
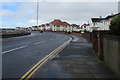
[107,49]
[96,38]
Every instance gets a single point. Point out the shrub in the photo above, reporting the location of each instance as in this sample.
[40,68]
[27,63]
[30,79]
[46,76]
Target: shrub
[115,25]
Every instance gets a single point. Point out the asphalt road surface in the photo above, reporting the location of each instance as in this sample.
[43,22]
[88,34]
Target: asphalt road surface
[19,54]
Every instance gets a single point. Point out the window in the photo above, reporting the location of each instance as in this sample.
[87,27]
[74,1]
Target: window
[93,24]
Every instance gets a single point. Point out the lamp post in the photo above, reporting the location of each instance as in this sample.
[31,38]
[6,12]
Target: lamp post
[119,7]
[37,14]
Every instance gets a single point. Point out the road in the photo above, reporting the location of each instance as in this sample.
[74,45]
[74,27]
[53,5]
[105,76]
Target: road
[21,53]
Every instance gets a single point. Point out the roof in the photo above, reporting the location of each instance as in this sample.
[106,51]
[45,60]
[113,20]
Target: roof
[58,24]
[34,26]
[97,19]
[74,25]
[65,24]
[111,16]
[56,21]
[85,24]
[43,25]
[106,18]
[47,24]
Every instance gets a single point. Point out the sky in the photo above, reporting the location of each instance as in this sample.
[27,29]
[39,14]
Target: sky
[23,14]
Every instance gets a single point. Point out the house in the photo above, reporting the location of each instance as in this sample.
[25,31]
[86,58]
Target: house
[75,28]
[66,27]
[62,26]
[42,27]
[29,29]
[96,23]
[85,27]
[101,23]
[58,25]
[38,28]
[47,26]
[34,28]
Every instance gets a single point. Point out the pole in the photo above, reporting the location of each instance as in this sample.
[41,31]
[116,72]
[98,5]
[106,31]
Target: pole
[37,13]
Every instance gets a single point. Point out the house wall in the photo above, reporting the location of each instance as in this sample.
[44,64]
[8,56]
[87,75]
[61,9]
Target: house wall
[88,28]
[69,28]
[48,27]
[94,27]
[53,28]
[39,28]
[76,29]
[103,25]
[57,28]
[62,28]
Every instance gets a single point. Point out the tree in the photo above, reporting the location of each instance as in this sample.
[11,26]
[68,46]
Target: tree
[115,25]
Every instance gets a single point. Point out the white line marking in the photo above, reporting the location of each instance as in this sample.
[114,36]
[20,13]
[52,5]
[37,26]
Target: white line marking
[39,42]
[14,49]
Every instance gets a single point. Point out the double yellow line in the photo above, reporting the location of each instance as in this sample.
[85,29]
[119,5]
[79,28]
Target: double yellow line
[32,71]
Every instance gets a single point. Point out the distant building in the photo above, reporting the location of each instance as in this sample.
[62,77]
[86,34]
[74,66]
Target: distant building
[85,27]
[34,28]
[29,29]
[96,23]
[20,28]
[75,28]
[57,25]
[47,26]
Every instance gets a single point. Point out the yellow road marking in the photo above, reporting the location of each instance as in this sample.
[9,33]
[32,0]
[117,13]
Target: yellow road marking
[29,73]
[37,64]
[36,69]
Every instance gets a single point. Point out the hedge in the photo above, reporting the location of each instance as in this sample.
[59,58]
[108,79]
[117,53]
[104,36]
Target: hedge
[115,25]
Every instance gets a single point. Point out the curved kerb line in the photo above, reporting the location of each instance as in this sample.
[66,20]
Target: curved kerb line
[29,73]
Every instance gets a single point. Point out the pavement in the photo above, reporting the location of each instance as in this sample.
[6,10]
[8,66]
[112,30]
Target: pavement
[77,60]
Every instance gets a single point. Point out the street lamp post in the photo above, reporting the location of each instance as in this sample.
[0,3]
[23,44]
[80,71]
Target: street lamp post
[37,13]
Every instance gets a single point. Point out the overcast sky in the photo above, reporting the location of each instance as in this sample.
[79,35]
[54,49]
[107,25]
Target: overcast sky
[23,14]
